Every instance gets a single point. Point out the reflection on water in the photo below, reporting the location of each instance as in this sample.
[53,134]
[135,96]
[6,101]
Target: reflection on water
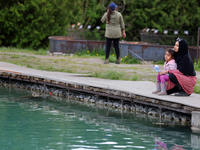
[37,123]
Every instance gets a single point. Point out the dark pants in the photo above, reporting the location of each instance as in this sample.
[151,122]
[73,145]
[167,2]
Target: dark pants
[108,45]
[173,79]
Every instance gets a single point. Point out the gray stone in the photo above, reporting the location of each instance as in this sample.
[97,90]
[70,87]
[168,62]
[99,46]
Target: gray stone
[195,122]
[153,113]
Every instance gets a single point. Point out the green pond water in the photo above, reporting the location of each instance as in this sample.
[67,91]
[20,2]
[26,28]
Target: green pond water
[28,123]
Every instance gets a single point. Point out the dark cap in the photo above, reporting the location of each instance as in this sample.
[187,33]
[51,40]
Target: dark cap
[113,6]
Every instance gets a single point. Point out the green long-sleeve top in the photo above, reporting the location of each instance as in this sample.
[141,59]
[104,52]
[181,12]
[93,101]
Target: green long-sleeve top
[116,25]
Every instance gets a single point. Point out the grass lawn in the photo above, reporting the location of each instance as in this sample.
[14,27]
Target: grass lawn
[85,63]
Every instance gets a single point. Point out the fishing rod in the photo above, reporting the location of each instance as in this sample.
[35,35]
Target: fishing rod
[156,67]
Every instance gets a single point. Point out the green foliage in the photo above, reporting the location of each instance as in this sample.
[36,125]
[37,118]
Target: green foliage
[29,23]
[13,49]
[87,53]
[112,58]
[197,88]
[197,66]
[175,15]
[129,60]
[134,78]
[172,15]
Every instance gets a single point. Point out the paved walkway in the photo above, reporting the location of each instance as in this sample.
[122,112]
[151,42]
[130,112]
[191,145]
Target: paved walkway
[143,88]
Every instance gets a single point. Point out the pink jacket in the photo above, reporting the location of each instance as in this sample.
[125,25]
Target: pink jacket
[171,65]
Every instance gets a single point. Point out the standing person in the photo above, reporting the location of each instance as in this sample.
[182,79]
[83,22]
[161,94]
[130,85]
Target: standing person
[163,76]
[184,78]
[115,29]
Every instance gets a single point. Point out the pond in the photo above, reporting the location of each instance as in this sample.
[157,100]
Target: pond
[38,123]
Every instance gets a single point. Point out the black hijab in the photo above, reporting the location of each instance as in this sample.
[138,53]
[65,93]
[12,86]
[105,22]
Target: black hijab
[183,59]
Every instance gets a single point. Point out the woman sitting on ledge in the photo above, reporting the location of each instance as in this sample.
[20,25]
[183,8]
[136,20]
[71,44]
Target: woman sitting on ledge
[182,80]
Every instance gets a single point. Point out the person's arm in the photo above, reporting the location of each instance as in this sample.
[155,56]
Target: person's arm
[163,72]
[122,26]
[173,66]
[123,33]
[103,19]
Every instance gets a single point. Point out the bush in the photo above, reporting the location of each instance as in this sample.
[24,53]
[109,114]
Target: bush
[129,60]
[98,52]
[197,66]
[29,23]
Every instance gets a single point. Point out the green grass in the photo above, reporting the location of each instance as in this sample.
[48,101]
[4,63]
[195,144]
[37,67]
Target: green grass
[134,78]
[114,75]
[19,50]
[109,74]
[129,60]
[100,71]
[112,58]
[14,56]
[101,53]
[87,53]
[197,88]
[197,66]
[134,68]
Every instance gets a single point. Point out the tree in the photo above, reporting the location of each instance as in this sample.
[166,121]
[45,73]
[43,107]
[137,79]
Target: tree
[29,23]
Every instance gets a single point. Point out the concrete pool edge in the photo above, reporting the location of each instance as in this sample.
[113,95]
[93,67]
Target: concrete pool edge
[124,96]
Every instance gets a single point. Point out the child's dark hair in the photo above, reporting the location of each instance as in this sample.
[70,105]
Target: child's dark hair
[171,52]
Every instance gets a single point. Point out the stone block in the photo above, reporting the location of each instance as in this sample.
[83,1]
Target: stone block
[141,98]
[96,89]
[76,86]
[129,95]
[177,105]
[123,94]
[35,78]
[166,103]
[108,91]
[13,75]
[148,100]
[103,90]
[87,88]
[195,122]
[70,85]
[132,95]
[137,97]
[62,83]
[189,108]
[47,80]
[67,84]
[155,101]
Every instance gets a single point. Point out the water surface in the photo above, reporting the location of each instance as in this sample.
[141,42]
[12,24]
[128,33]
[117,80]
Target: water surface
[36,123]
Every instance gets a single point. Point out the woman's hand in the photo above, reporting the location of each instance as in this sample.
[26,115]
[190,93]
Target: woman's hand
[123,34]
[163,72]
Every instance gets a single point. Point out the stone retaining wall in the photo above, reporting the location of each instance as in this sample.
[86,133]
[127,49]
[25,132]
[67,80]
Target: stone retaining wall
[117,94]
[106,97]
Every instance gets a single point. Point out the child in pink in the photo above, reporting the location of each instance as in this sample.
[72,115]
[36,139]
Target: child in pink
[163,76]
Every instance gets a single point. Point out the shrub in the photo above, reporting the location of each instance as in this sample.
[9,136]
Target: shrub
[129,60]
[29,23]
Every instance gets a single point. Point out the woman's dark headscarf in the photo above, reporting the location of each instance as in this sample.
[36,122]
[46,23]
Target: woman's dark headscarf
[183,59]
